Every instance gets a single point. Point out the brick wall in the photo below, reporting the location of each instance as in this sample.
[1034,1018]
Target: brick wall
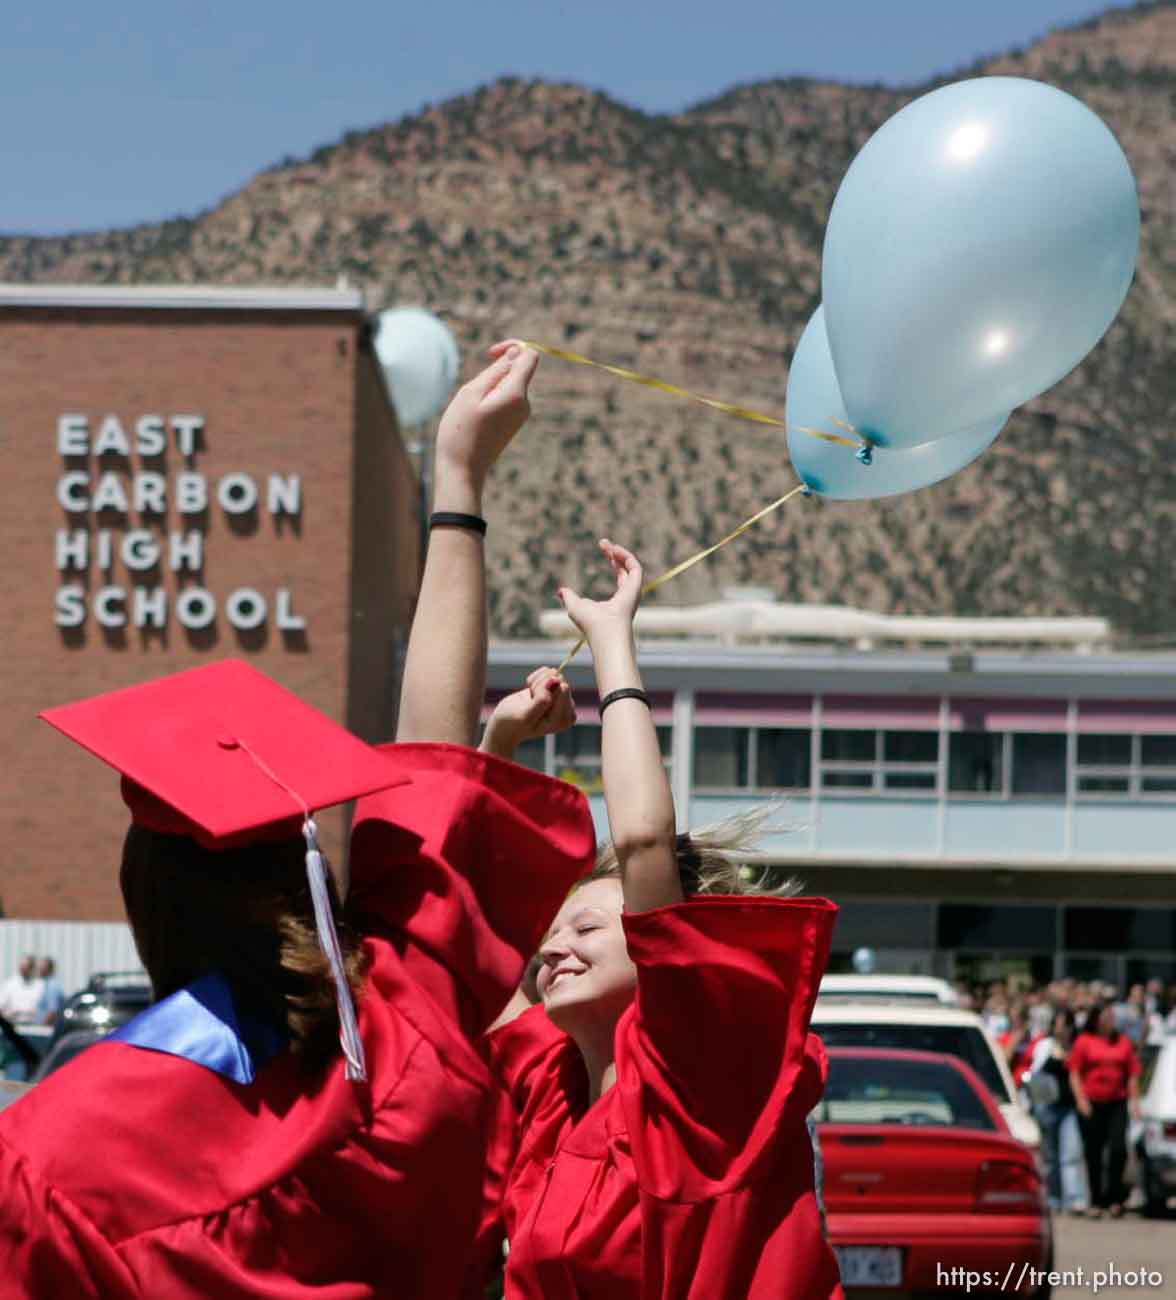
[280,392]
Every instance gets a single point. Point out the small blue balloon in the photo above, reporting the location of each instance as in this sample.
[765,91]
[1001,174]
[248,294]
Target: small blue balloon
[865,961]
[835,470]
[980,245]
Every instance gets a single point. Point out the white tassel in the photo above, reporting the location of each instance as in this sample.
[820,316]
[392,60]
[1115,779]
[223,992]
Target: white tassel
[316,874]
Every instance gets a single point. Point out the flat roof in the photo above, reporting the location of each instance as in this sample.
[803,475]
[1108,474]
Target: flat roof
[707,666]
[183,297]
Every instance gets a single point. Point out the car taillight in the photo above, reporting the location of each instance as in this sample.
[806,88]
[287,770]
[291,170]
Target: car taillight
[1170,1130]
[1003,1187]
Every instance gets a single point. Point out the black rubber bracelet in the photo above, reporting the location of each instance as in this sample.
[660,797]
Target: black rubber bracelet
[628,693]
[453,519]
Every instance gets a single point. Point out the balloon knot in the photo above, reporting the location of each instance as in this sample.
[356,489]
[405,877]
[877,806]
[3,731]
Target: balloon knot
[865,454]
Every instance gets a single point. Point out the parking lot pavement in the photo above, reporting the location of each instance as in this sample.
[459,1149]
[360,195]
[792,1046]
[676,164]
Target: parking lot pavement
[1132,1256]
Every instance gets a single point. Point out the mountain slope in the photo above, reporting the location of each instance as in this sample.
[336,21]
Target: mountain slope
[689,247]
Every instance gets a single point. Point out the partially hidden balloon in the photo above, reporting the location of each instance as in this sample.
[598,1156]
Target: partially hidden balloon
[980,245]
[814,403]
[421,360]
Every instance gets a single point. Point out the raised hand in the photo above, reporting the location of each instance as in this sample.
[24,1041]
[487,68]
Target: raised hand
[544,706]
[615,615]
[484,415]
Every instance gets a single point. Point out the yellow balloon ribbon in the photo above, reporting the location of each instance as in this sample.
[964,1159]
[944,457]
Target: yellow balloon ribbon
[727,408]
[654,583]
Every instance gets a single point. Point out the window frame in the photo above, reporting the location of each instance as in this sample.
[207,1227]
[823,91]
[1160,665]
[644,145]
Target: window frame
[751,759]
[1135,771]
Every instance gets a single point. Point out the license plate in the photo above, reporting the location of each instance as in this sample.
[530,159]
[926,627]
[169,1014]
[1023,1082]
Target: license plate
[869,1265]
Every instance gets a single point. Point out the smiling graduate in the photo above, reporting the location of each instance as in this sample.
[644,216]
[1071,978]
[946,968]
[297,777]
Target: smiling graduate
[661,1088]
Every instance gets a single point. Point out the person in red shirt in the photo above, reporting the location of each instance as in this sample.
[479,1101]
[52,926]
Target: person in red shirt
[662,1086]
[1104,1076]
[303,1112]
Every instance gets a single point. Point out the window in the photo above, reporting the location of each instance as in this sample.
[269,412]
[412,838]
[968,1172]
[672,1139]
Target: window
[881,761]
[575,755]
[532,754]
[881,1091]
[1039,763]
[911,759]
[849,746]
[980,925]
[1120,929]
[976,762]
[1157,762]
[1104,764]
[783,758]
[1126,765]
[721,757]
[910,746]
[1104,751]
[1158,751]
[883,924]
[752,758]
[848,759]
[965,1041]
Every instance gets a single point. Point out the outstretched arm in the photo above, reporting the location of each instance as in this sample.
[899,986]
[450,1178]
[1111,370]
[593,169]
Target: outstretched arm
[636,789]
[445,669]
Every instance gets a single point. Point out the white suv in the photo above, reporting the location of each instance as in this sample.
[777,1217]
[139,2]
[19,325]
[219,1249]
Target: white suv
[842,1022]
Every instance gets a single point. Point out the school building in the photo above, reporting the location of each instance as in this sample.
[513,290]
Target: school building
[189,473]
[976,808]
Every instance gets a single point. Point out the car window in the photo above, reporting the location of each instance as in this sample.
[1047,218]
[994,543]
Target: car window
[964,1041]
[878,1091]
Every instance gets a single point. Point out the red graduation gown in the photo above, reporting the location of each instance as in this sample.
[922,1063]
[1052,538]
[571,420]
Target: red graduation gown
[691,1178]
[137,1173]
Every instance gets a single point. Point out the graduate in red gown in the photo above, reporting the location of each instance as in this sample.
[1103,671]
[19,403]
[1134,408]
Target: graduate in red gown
[303,1112]
[661,1088]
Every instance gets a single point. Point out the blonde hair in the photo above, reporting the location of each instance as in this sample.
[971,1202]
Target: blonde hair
[715,859]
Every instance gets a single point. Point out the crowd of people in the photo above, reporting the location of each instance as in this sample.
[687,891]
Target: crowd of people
[1146,1014]
[1077,1052]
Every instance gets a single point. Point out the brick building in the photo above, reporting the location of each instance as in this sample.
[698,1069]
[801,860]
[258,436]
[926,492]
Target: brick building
[189,473]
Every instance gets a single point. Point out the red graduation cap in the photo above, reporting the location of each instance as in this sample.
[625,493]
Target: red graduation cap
[223,754]
[227,756]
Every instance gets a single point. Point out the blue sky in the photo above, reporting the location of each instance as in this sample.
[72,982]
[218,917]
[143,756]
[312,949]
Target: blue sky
[119,114]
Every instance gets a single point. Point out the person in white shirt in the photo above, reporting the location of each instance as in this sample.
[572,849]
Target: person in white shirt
[20,994]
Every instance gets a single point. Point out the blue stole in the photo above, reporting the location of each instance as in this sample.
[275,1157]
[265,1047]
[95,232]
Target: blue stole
[201,1024]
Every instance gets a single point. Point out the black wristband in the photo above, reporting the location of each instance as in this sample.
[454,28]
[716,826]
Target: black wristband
[627,693]
[453,519]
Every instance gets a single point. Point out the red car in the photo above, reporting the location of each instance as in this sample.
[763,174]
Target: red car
[926,1191]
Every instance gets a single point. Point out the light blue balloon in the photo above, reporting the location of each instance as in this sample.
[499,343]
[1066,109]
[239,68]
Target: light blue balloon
[814,402]
[979,246]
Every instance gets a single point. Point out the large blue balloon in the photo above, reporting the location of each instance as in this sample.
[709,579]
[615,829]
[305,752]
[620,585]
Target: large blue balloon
[979,246]
[833,470]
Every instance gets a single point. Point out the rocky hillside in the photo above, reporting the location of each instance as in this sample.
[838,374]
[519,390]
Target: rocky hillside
[689,247]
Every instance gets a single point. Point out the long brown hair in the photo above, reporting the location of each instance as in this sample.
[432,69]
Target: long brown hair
[246,914]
